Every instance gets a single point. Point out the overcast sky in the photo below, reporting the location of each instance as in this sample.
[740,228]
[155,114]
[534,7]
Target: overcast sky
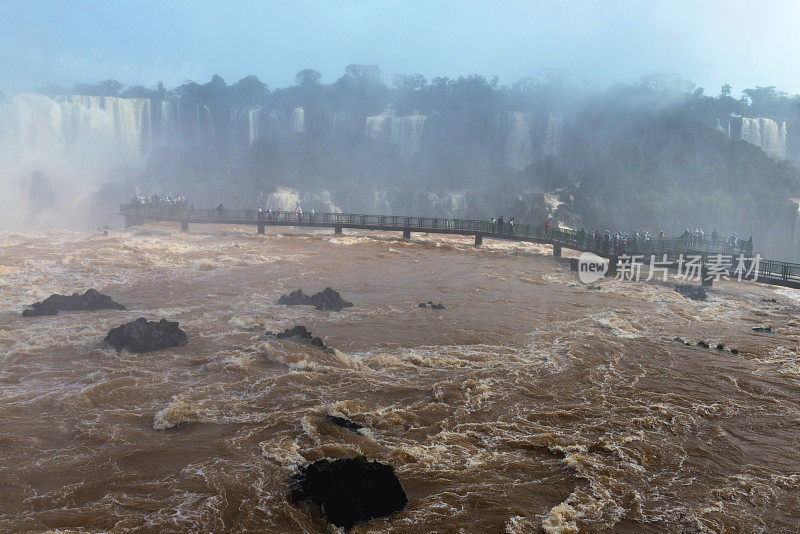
[744,43]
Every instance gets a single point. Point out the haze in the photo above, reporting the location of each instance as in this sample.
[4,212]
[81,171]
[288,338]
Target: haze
[710,43]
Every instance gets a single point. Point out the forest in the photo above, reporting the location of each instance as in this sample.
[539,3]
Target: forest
[644,155]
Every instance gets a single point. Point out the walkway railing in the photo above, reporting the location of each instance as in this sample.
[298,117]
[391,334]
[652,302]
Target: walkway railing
[671,248]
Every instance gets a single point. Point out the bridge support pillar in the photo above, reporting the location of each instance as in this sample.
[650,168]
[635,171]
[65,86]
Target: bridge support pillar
[612,266]
[705,280]
[556,250]
[133,220]
[406,234]
[184,226]
[261,227]
[478,240]
[337,229]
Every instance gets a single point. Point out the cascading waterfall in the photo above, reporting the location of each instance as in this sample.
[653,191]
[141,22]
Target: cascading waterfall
[518,147]
[552,138]
[298,121]
[405,132]
[762,132]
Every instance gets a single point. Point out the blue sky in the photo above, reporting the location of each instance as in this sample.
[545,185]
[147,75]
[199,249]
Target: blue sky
[744,43]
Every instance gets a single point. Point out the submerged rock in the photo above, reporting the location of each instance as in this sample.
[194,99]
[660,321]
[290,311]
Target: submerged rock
[703,344]
[345,423]
[91,300]
[691,292]
[763,329]
[720,346]
[350,490]
[142,335]
[431,305]
[301,333]
[327,299]
[772,300]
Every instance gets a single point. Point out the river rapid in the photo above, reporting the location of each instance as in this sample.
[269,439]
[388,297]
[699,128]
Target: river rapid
[532,403]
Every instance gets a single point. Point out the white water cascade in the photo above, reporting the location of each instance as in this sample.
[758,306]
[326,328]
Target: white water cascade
[298,121]
[74,141]
[552,137]
[405,132]
[765,133]
[518,147]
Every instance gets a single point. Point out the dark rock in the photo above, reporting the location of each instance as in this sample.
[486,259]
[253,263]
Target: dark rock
[439,306]
[301,333]
[734,351]
[327,299]
[765,330]
[774,301]
[350,490]
[295,298]
[91,300]
[682,342]
[431,305]
[142,335]
[343,422]
[691,292]
[703,344]
[720,346]
[422,305]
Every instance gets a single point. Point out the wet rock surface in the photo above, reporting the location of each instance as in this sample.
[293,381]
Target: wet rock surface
[345,423]
[691,292]
[300,333]
[327,299]
[431,305]
[91,300]
[349,491]
[142,335]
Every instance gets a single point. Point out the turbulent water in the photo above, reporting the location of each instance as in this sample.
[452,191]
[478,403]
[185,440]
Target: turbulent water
[531,403]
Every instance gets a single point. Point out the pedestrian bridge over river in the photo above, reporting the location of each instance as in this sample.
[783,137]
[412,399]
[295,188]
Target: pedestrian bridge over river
[665,251]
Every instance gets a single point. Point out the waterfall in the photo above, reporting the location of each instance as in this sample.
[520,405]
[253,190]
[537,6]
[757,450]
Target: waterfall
[253,116]
[552,138]
[378,127]
[518,147]
[405,132]
[298,121]
[764,133]
[283,199]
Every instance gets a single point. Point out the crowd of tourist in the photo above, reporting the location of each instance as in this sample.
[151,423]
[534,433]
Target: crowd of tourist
[163,199]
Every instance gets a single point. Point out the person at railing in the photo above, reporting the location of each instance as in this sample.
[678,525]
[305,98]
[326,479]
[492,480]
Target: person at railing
[511,223]
[311,215]
[547,227]
[299,213]
[500,223]
[269,214]
[714,238]
[221,211]
[747,246]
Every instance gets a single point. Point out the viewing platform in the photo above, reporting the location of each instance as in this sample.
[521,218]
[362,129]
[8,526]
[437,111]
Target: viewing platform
[669,250]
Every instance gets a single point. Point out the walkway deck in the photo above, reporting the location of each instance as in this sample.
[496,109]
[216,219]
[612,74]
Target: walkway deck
[667,250]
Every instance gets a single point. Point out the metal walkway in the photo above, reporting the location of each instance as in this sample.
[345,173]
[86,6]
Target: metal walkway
[665,250]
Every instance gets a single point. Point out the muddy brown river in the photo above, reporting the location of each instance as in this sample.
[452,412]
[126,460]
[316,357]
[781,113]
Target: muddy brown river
[532,403]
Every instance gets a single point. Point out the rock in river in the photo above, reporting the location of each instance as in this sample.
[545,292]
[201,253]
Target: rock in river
[691,292]
[142,335]
[350,490]
[301,333]
[327,299]
[91,300]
